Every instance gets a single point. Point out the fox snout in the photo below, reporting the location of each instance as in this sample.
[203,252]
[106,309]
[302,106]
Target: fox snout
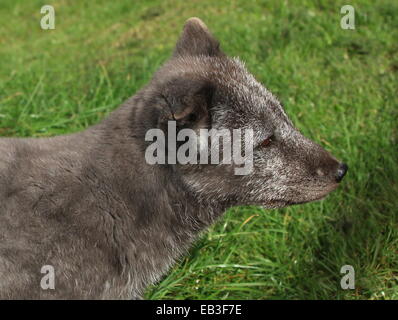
[341,171]
[333,169]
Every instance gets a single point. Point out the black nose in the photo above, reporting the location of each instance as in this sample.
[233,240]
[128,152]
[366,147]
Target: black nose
[341,171]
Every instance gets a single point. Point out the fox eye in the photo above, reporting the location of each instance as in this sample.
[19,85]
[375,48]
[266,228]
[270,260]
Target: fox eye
[266,142]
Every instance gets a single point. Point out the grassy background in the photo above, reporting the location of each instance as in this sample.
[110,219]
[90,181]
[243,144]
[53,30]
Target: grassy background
[338,86]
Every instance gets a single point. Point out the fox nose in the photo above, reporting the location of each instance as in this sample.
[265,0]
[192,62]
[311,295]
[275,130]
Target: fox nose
[341,171]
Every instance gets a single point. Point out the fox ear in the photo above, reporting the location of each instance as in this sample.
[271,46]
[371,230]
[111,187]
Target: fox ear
[196,39]
[187,103]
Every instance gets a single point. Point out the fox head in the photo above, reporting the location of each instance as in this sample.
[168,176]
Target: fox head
[200,87]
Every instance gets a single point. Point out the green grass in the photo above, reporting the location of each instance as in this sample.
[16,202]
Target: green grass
[338,86]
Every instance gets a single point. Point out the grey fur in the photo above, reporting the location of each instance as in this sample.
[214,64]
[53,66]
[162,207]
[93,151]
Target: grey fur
[111,224]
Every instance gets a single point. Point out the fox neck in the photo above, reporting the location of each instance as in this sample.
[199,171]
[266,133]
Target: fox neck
[162,217]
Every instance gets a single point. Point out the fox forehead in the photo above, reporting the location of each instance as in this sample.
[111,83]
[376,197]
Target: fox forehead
[241,91]
[242,101]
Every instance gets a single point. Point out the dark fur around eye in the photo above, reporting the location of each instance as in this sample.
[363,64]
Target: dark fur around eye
[266,142]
